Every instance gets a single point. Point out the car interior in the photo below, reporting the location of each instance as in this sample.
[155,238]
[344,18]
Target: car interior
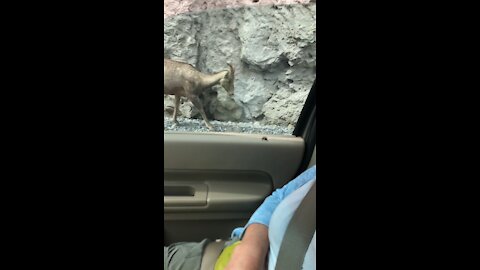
[213,182]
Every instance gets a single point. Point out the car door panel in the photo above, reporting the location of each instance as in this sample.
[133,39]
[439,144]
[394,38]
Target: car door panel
[217,191]
[214,182]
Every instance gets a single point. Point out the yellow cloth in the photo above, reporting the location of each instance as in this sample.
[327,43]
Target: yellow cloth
[224,257]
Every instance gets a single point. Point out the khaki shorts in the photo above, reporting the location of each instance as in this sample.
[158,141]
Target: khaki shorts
[184,256]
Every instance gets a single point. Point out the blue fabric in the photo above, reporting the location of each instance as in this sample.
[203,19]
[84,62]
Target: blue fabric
[264,213]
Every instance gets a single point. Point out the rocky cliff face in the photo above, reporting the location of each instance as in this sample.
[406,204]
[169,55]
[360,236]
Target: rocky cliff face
[175,7]
[273,49]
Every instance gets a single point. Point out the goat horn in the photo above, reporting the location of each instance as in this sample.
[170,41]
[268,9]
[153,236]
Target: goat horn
[232,69]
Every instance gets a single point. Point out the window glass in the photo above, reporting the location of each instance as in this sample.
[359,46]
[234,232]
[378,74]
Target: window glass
[271,47]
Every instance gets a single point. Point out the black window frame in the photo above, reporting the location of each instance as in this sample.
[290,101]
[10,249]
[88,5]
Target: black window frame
[306,127]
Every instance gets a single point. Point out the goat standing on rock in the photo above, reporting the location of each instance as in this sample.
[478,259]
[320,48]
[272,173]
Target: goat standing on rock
[183,80]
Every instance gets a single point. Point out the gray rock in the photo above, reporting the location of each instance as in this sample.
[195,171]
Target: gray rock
[272,49]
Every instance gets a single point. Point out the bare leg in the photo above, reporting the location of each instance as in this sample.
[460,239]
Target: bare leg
[197,103]
[175,110]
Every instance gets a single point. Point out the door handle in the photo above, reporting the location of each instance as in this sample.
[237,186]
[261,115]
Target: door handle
[184,194]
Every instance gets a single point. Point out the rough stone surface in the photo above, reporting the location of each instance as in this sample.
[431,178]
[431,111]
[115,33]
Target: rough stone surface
[273,49]
[174,7]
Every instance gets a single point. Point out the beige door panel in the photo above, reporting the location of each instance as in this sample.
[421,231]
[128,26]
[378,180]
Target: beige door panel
[277,156]
[214,191]
[214,182]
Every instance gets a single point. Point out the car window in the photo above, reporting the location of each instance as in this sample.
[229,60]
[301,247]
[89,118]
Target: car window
[257,62]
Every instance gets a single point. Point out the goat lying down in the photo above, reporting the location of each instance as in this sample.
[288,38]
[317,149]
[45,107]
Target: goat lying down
[183,80]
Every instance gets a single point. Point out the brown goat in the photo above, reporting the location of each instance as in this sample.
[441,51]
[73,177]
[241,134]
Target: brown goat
[183,80]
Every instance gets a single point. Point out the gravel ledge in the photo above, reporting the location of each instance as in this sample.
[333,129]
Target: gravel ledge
[195,125]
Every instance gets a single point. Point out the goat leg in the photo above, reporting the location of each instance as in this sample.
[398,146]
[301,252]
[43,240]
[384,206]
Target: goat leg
[197,103]
[175,110]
